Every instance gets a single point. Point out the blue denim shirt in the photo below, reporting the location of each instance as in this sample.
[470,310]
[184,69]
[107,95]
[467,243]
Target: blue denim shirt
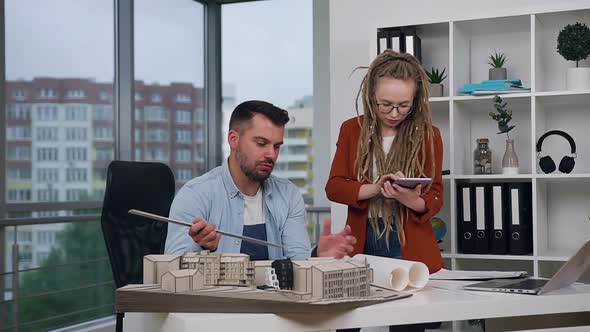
[215,197]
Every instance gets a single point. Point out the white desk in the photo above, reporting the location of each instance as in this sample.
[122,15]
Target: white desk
[432,304]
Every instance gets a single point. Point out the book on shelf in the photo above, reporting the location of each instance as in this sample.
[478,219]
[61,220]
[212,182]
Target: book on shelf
[493,87]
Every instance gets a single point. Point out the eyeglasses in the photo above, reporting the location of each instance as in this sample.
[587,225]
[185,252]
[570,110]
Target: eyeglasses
[401,109]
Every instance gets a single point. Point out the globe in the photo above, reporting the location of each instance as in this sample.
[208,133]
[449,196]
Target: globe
[439,227]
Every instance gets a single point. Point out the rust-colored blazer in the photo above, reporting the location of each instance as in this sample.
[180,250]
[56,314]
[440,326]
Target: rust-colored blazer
[343,187]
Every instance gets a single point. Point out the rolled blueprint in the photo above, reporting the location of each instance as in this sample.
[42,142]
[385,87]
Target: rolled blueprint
[397,274]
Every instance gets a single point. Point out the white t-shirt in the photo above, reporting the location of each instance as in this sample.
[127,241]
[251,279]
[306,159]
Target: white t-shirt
[253,211]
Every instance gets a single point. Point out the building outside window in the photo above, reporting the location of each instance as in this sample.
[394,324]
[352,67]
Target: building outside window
[183,117]
[47,154]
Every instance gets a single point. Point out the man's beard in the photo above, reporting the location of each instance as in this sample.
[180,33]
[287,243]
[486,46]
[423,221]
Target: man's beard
[250,172]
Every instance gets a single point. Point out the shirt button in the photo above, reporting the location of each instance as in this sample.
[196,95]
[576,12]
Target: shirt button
[436,197]
[236,242]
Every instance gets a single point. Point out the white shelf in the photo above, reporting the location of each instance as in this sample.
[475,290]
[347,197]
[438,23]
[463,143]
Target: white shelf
[561,202]
[559,176]
[490,97]
[438,99]
[496,257]
[562,93]
[502,177]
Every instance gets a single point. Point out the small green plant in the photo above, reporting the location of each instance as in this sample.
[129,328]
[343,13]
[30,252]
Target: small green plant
[436,77]
[573,42]
[497,60]
[503,115]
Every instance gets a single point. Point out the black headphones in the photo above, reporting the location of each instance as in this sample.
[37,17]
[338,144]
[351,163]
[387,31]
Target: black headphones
[567,163]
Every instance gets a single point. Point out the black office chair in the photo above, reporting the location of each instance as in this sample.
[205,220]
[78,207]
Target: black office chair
[144,186]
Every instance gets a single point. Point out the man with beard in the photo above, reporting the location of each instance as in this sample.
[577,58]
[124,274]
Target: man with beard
[242,197]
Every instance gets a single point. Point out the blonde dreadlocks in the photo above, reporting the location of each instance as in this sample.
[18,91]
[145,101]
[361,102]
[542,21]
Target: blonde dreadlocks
[408,151]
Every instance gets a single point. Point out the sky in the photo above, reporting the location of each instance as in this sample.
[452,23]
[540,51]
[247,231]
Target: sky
[266,45]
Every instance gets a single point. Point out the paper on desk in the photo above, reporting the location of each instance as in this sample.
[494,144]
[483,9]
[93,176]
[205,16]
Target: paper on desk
[444,274]
[396,274]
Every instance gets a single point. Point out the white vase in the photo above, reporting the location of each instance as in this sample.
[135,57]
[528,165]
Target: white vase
[578,78]
[510,159]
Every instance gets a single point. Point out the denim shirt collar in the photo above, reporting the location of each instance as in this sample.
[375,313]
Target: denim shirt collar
[232,189]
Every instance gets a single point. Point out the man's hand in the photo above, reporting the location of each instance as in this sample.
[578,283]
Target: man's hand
[335,245]
[204,234]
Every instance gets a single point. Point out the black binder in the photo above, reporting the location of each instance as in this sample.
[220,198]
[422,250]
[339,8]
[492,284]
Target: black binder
[465,218]
[482,215]
[499,227]
[520,217]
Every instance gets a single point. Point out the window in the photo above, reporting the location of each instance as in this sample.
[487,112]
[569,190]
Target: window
[183,155]
[103,113]
[169,73]
[157,154]
[47,195]
[47,175]
[103,133]
[155,114]
[19,195]
[76,134]
[47,113]
[47,154]
[267,55]
[105,96]
[19,94]
[138,96]
[183,117]
[19,153]
[182,98]
[100,174]
[104,154]
[157,135]
[137,115]
[156,98]
[183,136]
[76,154]
[47,134]
[184,174]
[75,194]
[75,94]
[76,113]
[59,58]
[137,135]
[19,174]
[76,175]
[47,93]
[18,133]
[18,112]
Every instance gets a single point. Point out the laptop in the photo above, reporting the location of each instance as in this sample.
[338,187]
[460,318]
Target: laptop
[569,273]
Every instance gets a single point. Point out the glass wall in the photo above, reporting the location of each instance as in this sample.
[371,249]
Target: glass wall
[169,123]
[59,139]
[267,54]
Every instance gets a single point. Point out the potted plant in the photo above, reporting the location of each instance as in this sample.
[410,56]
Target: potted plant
[573,43]
[436,78]
[503,115]
[497,61]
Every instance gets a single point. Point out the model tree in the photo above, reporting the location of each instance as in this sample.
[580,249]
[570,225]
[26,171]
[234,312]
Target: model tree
[573,42]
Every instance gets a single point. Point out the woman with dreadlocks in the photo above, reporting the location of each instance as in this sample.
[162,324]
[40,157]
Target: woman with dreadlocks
[393,138]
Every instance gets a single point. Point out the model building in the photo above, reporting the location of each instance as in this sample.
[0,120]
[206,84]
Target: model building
[312,279]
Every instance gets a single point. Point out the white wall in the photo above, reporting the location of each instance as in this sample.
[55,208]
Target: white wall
[353,23]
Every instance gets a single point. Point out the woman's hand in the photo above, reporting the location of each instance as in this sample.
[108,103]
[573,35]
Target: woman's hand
[406,196]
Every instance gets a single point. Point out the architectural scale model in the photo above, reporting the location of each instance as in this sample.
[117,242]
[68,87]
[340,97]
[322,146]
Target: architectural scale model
[309,279]
[215,282]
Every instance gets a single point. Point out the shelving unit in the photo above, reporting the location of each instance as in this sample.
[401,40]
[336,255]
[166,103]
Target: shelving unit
[561,202]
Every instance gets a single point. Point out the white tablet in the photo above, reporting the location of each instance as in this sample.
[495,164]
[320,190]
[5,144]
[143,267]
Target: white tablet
[412,182]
